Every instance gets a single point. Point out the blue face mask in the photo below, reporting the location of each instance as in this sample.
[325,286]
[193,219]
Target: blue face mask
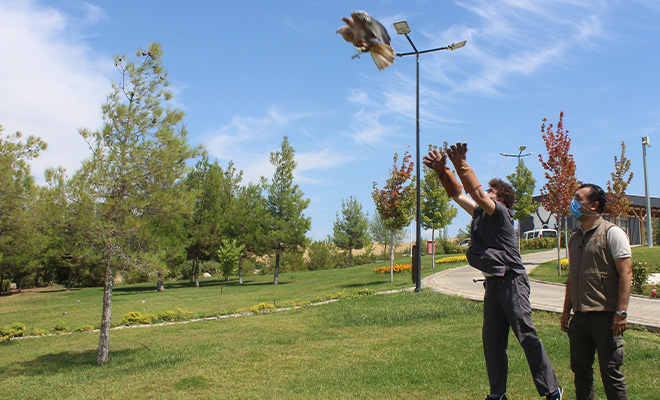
[575,209]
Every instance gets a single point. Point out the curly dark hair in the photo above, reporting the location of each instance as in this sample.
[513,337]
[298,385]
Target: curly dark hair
[596,194]
[504,190]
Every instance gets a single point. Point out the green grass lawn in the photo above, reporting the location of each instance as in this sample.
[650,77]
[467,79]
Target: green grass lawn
[397,346]
[44,308]
[548,271]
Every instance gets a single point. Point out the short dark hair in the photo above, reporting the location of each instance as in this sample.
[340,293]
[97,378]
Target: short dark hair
[596,194]
[505,191]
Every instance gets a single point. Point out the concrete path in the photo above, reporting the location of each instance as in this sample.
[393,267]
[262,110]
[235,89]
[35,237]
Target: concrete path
[544,296]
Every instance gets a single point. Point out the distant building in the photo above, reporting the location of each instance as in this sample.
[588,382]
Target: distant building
[631,224]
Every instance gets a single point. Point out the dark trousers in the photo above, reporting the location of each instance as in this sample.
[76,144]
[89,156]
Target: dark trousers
[506,305]
[589,333]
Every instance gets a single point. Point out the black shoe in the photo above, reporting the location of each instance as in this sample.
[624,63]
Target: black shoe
[502,397]
[557,395]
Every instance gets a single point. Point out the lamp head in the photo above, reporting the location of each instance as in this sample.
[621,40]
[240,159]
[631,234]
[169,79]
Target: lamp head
[522,148]
[646,141]
[402,27]
[458,45]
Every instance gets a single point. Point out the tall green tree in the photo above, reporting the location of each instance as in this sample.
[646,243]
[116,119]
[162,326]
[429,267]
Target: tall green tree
[618,204]
[248,223]
[436,210]
[351,230]
[395,201]
[68,216]
[139,156]
[215,190]
[286,223]
[524,184]
[18,195]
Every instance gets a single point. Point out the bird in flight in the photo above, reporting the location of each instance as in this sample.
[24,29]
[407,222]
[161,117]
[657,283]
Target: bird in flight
[368,36]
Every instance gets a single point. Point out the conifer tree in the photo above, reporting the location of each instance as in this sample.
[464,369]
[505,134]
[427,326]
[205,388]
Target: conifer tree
[286,224]
[139,157]
[351,230]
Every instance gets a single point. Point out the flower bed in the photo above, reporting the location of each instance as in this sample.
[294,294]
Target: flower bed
[397,268]
[451,259]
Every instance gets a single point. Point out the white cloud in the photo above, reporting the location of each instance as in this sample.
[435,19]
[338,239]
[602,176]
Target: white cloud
[248,141]
[52,82]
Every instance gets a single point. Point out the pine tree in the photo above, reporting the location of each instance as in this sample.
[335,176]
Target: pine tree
[286,224]
[351,230]
[18,196]
[139,157]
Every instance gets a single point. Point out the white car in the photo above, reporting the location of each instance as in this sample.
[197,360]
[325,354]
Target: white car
[465,243]
[539,233]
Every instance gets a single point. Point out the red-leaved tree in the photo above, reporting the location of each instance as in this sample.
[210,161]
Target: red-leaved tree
[557,193]
[618,204]
[395,201]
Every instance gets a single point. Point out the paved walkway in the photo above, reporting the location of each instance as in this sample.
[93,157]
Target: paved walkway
[544,296]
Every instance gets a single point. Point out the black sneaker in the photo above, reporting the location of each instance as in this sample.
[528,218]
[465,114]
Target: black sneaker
[502,397]
[557,395]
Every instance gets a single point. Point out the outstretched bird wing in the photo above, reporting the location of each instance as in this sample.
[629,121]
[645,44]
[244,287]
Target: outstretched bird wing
[371,25]
[368,35]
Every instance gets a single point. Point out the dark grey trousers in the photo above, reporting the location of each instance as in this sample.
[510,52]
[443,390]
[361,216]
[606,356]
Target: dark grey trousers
[506,305]
[590,333]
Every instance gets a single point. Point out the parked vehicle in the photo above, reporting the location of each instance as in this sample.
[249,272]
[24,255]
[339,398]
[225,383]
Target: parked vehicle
[539,233]
[465,243]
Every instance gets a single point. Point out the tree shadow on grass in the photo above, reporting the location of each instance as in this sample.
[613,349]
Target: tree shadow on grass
[71,361]
[367,284]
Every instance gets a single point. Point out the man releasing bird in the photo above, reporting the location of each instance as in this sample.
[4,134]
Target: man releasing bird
[368,36]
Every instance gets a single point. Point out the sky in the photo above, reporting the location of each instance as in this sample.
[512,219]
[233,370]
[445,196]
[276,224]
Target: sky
[248,73]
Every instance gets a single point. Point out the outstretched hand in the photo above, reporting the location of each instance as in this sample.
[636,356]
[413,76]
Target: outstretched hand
[436,160]
[456,153]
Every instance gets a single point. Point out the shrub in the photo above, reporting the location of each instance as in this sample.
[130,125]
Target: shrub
[137,318]
[84,328]
[641,272]
[13,330]
[39,332]
[60,328]
[5,286]
[262,308]
[539,243]
[651,290]
[319,256]
[564,264]
[296,303]
[445,246]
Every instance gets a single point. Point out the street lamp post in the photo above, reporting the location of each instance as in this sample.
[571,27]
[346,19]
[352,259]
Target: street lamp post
[402,28]
[646,142]
[520,154]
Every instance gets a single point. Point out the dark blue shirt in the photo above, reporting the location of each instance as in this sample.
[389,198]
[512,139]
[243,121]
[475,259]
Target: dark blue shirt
[494,245]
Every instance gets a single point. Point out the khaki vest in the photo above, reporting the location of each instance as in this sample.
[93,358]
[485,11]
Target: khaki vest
[592,272]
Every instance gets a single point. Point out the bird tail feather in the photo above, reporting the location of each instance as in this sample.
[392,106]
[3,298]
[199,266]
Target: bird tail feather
[382,54]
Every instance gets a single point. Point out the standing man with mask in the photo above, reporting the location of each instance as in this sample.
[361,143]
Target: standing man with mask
[597,290]
[494,251]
